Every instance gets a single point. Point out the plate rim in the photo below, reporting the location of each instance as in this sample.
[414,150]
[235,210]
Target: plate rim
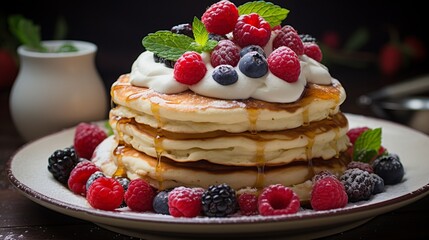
[52,203]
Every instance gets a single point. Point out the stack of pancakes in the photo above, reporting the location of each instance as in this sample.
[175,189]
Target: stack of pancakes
[186,139]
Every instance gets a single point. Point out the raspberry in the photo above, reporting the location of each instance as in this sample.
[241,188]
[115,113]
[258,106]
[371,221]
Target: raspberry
[80,175]
[361,165]
[276,200]
[185,202]
[219,201]
[390,59]
[321,175]
[86,139]
[105,193]
[61,163]
[220,18]
[251,29]
[287,36]
[389,168]
[284,63]
[354,133]
[189,68]
[139,195]
[225,52]
[358,184]
[313,50]
[248,204]
[328,193]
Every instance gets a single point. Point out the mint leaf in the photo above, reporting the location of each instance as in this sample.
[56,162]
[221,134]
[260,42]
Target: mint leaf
[168,45]
[367,145]
[273,14]
[201,35]
[26,32]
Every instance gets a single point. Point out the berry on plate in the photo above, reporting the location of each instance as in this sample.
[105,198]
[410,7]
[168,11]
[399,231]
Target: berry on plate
[389,168]
[328,193]
[61,163]
[105,193]
[248,203]
[358,184]
[160,202]
[277,199]
[284,63]
[139,195]
[87,137]
[189,68]
[219,201]
[80,175]
[185,202]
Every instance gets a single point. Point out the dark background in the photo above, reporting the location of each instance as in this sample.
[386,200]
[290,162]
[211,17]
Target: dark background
[117,27]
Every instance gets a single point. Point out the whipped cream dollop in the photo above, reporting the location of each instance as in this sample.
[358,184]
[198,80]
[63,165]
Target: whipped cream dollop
[146,72]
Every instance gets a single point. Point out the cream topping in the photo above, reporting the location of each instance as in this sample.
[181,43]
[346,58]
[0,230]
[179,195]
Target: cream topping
[145,72]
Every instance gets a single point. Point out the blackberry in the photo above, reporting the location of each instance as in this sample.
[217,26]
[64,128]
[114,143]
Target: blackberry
[389,167]
[166,62]
[160,202]
[361,165]
[307,38]
[92,178]
[358,184]
[378,184]
[225,75]
[217,37]
[61,163]
[219,201]
[185,29]
[253,64]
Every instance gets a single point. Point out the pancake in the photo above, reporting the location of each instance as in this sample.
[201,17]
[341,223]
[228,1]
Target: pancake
[124,161]
[187,112]
[323,139]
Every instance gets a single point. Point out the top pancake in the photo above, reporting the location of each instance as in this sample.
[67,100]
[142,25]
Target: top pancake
[191,113]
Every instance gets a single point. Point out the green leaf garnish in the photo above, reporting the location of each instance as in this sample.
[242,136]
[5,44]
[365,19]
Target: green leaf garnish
[273,14]
[168,45]
[171,46]
[367,145]
[29,35]
[26,32]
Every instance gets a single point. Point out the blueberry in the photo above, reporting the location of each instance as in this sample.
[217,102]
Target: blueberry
[92,178]
[225,75]
[184,28]
[124,182]
[160,202]
[253,64]
[252,48]
[389,167]
[378,184]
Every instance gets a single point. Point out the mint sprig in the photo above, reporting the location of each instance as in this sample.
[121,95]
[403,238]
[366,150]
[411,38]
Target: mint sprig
[273,14]
[171,46]
[367,145]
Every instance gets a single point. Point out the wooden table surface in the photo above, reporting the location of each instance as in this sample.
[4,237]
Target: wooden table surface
[21,218]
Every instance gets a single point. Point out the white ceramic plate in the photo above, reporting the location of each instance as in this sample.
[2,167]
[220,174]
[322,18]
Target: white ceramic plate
[27,170]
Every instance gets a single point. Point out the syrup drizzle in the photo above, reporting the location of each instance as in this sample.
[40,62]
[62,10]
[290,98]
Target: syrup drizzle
[121,171]
[253,115]
[260,160]
[157,142]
